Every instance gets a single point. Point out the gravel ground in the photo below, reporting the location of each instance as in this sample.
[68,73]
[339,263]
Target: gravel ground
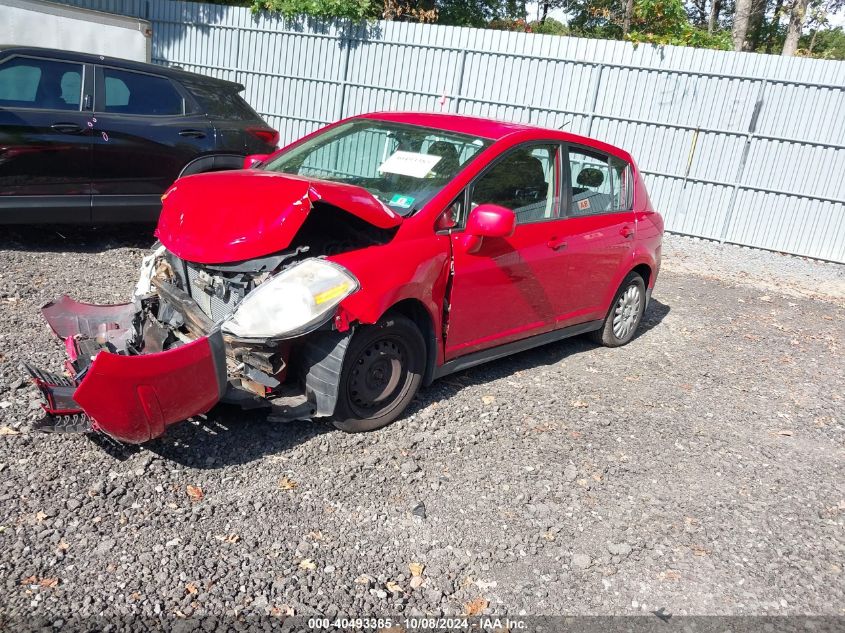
[699,469]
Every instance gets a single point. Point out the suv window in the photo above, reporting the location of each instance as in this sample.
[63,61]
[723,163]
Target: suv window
[600,183]
[129,92]
[221,102]
[40,83]
[525,181]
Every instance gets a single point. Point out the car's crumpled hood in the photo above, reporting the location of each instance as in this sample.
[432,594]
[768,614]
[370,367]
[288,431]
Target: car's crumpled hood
[233,216]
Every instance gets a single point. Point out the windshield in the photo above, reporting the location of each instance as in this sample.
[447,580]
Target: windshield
[404,166]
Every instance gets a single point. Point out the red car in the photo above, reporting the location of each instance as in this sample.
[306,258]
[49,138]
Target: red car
[339,274]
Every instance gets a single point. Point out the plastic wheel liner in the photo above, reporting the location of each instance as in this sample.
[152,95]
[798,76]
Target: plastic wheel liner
[132,398]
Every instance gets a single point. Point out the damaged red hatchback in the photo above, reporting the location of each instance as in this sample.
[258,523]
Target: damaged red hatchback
[336,276]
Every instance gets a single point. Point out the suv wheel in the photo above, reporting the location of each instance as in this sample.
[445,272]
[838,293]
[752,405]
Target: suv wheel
[625,313]
[382,372]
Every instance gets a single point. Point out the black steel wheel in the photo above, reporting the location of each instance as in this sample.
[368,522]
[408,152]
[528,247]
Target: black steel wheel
[382,372]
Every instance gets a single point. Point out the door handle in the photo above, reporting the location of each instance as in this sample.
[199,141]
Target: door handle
[192,133]
[556,243]
[66,128]
[627,232]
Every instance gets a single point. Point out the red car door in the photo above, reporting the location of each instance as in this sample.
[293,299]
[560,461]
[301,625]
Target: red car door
[506,289]
[600,231]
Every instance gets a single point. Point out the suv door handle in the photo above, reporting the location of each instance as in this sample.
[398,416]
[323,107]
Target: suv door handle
[627,232]
[66,128]
[556,243]
[190,133]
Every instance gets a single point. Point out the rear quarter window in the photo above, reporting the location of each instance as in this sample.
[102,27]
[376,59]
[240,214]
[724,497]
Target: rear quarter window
[222,103]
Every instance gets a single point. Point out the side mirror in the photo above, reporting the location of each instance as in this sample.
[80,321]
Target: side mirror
[254,159]
[491,220]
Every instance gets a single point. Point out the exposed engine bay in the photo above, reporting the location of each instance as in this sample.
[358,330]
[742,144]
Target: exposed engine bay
[258,333]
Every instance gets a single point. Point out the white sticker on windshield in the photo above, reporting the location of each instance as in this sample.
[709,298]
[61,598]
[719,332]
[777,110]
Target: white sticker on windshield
[410,164]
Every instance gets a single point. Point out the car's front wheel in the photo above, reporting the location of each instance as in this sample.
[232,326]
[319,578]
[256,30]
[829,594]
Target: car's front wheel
[382,372]
[625,313]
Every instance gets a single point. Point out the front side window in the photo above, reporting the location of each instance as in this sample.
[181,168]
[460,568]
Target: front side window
[40,83]
[402,165]
[525,181]
[136,93]
[600,183]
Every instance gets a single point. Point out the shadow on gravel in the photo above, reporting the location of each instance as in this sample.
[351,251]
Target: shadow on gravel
[76,239]
[547,355]
[229,436]
[655,313]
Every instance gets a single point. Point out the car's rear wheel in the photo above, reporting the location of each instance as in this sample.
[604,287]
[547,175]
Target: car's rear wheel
[625,313]
[382,372]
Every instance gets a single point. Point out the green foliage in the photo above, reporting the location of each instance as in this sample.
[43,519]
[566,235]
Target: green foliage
[666,22]
[549,26]
[658,22]
[597,18]
[477,13]
[828,44]
[327,9]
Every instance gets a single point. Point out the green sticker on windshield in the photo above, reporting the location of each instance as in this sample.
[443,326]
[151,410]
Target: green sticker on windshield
[403,202]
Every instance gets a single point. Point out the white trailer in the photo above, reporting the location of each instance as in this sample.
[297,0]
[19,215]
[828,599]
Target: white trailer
[52,25]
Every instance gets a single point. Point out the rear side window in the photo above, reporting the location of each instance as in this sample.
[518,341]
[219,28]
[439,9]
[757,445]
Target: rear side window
[600,183]
[128,92]
[40,83]
[222,103]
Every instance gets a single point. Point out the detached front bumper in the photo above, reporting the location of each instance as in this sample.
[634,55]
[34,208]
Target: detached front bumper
[131,397]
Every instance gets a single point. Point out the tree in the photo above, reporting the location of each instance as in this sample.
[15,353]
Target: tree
[713,19]
[797,11]
[629,13]
[757,25]
[742,15]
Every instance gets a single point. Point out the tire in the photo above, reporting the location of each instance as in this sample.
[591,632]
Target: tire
[382,371]
[625,313]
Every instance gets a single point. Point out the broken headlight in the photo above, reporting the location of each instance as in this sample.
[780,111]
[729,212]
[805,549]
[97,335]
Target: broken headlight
[293,302]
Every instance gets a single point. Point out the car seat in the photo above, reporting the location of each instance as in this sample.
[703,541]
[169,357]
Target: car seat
[449,162]
[518,182]
[590,179]
[49,94]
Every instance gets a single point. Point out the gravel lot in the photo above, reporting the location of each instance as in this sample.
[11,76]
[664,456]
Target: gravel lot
[699,469]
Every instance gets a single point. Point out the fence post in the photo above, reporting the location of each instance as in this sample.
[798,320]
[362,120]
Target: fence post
[746,148]
[595,99]
[340,108]
[459,83]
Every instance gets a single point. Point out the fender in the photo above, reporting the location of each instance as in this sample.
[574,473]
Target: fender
[639,256]
[213,162]
[403,269]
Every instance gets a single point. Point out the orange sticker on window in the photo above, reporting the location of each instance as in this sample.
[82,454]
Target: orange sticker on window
[583,205]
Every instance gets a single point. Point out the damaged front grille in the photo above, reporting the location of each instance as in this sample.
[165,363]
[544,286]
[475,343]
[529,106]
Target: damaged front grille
[206,292]
[216,295]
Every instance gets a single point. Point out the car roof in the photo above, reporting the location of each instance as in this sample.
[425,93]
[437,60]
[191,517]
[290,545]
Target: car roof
[128,64]
[490,128]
